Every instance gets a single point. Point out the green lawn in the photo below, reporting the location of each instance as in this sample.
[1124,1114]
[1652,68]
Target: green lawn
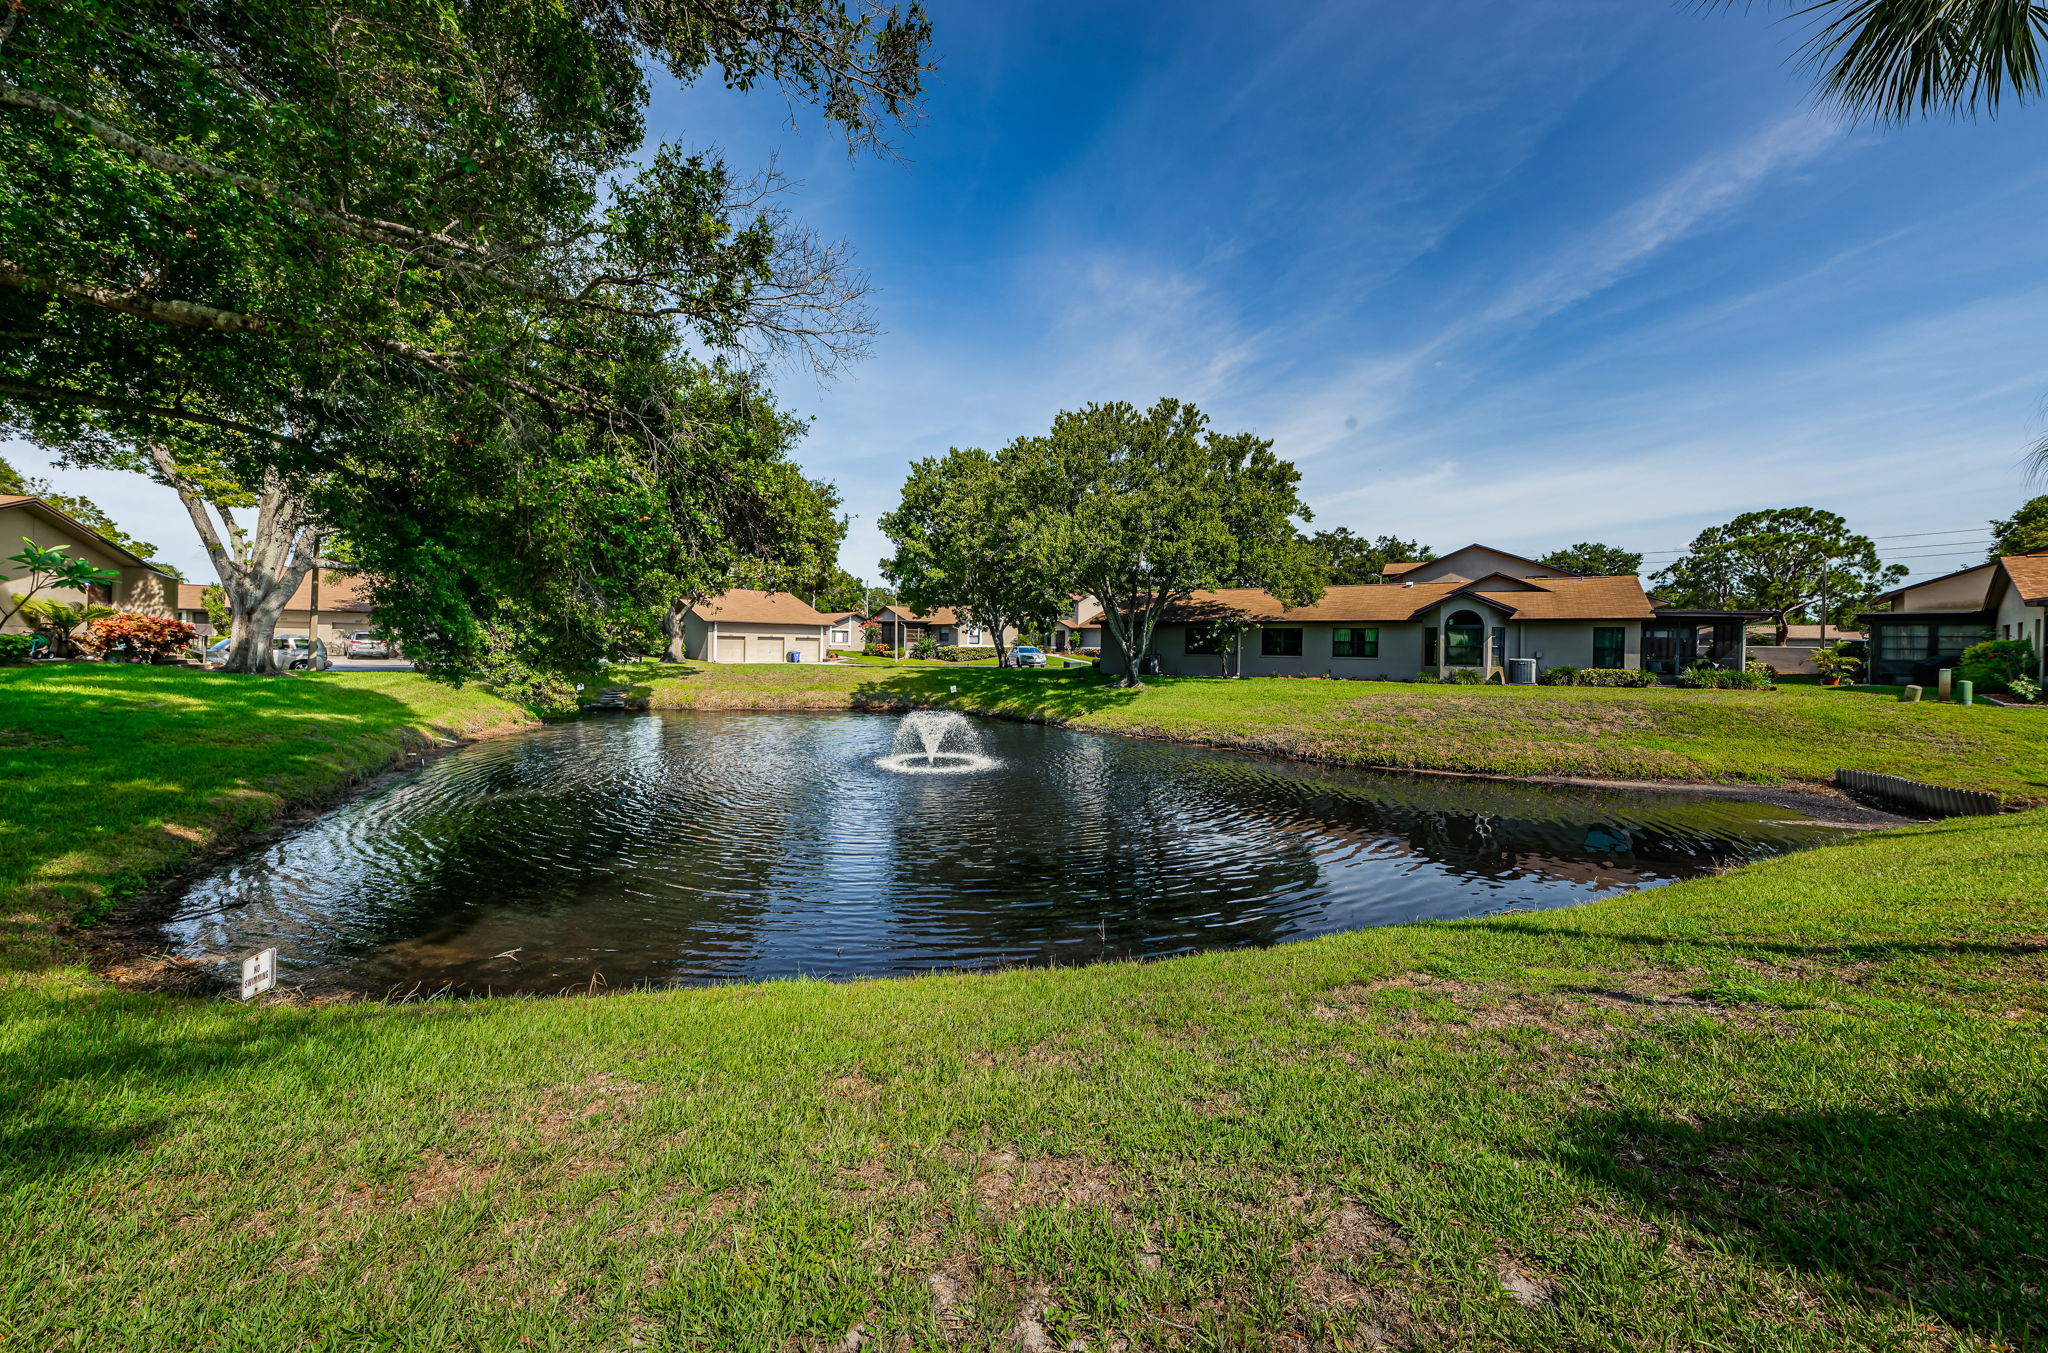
[111,774]
[1795,1106]
[1796,733]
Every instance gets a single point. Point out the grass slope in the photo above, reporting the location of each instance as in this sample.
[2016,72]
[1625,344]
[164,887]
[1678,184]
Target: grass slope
[1797,733]
[1797,1106]
[1794,1107]
[110,775]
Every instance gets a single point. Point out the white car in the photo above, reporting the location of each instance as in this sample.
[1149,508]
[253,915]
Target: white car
[295,652]
[1027,656]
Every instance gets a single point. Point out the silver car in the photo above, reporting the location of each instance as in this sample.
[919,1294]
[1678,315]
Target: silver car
[1027,656]
[364,644]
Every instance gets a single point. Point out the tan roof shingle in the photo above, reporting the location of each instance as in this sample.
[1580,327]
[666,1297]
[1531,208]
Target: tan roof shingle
[746,606]
[2029,574]
[1616,598]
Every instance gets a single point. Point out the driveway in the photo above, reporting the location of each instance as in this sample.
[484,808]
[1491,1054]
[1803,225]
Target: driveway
[342,664]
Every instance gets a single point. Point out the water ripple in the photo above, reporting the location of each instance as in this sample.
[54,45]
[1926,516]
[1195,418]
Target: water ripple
[690,848]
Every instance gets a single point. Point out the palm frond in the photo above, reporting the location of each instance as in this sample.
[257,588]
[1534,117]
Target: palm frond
[1896,60]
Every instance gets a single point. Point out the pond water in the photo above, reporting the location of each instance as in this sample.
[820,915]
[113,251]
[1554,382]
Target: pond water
[688,848]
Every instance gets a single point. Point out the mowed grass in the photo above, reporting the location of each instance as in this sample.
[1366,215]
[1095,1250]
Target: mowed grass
[1794,1107]
[110,774]
[1798,733]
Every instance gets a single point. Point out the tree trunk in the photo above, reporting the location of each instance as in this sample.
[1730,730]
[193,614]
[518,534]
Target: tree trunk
[672,627]
[261,571]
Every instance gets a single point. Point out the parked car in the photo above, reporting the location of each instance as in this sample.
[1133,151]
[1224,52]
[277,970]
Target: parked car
[1026,655]
[364,644]
[295,652]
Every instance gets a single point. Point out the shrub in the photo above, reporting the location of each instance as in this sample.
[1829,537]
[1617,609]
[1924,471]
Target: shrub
[1564,674]
[955,653]
[1089,652]
[1427,678]
[503,672]
[15,648]
[2024,688]
[1698,677]
[1615,676]
[878,650]
[146,637]
[1992,665]
[1743,681]
[1844,662]
[1466,676]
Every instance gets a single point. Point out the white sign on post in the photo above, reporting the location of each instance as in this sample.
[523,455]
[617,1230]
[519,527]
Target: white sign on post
[259,973]
[203,630]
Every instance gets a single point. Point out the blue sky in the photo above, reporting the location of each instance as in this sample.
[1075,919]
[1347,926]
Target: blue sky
[1529,274]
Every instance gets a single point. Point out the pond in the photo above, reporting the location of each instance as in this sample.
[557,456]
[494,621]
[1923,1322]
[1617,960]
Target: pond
[688,848]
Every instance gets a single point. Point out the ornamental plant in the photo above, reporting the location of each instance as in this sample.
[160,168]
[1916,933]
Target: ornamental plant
[1993,664]
[144,637]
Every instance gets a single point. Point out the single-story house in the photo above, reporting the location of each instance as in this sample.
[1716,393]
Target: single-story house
[1477,608]
[745,625]
[328,605]
[1926,626]
[901,628]
[138,587]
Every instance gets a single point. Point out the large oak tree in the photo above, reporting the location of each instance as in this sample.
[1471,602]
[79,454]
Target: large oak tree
[401,267]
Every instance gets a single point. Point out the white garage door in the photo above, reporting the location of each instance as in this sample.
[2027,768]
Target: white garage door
[811,649]
[765,647]
[732,648]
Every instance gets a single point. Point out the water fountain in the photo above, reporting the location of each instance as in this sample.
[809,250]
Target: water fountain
[921,745]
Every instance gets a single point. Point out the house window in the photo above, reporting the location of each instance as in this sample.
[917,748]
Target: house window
[1610,646]
[1465,640]
[1429,645]
[1354,643]
[1280,643]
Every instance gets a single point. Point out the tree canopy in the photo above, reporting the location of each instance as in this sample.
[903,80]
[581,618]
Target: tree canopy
[412,264]
[2024,532]
[1143,509]
[962,541]
[1788,561]
[1594,560]
[1351,559]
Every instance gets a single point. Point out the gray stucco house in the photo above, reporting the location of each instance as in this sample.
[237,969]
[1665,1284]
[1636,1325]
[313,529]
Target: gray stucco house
[1475,608]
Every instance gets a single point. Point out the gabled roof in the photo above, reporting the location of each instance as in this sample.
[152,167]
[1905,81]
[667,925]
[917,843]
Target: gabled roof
[65,519]
[1396,570]
[941,615]
[1613,598]
[2029,576]
[745,606]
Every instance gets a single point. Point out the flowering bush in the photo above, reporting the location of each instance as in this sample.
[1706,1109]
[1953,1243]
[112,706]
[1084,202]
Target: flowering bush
[143,637]
[878,650]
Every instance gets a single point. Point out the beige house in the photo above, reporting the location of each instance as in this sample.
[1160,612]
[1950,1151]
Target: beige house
[1477,608]
[1926,626]
[844,629]
[902,627]
[749,626]
[140,587]
[327,605]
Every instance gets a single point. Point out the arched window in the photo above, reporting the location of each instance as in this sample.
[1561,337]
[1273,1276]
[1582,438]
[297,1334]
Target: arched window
[1465,640]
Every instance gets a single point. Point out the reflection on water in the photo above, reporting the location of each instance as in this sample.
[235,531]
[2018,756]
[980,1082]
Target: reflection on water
[691,848]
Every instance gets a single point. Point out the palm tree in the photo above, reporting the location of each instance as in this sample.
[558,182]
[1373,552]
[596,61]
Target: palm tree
[59,618]
[1895,60]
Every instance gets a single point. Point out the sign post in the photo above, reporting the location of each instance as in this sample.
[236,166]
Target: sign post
[259,973]
[202,632]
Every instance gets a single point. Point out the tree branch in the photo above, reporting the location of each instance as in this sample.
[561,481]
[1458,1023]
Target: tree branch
[57,394]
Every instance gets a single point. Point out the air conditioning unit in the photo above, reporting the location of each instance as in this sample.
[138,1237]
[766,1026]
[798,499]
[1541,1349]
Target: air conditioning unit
[1521,671]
